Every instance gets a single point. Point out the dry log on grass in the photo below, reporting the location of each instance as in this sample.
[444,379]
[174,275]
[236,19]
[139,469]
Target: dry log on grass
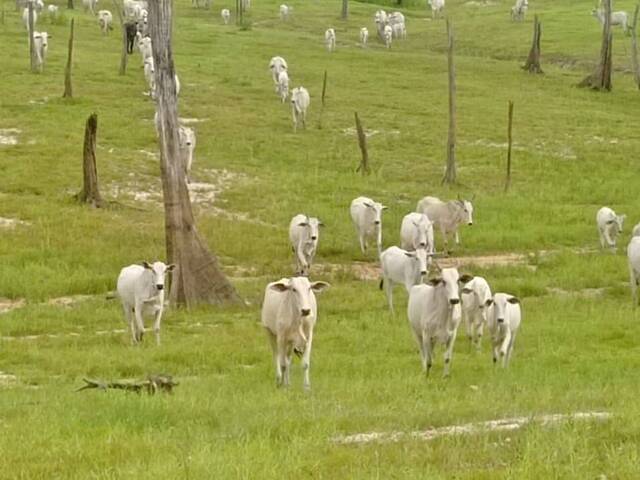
[151,384]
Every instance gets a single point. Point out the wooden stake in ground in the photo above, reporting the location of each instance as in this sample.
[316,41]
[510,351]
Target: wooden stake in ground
[507,182]
[90,193]
[345,9]
[32,46]
[123,54]
[324,91]
[151,384]
[68,91]
[362,143]
[198,278]
[532,65]
[600,79]
[634,47]
[450,173]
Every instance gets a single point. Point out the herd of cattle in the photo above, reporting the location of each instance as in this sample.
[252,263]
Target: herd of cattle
[437,303]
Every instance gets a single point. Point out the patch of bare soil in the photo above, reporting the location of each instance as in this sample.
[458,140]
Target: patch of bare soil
[583,293]
[506,424]
[6,304]
[7,380]
[351,131]
[68,301]
[485,261]
[9,136]
[11,222]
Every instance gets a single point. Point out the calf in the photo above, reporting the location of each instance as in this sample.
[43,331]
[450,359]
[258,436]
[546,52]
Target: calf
[187,137]
[284,12]
[41,45]
[447,216]
[476,297]
[141,290]
[401,266]
[277,65]
[105,20]
[633,258]
[299,104]
[226,15]
[90,6]
[436,8]
[387,36]
[434,314]
[416,232]
[503,320]
[131,30]
[367,218]
[330,39]
[364,36]
[289,313]
[609,226]
[304,234]
[282,88]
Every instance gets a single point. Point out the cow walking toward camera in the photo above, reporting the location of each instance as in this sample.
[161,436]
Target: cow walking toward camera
[304,234]
[609,226]
[289,314]
[503,320]
[401,266]
[476,299]
[367,218]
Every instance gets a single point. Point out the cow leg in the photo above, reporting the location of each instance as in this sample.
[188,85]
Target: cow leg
[505,347]
[469,327]
[281,363]
[495,343]
[128,314]
[601,235]
[156,325]
[507,357]
[273,341]
[288,355]
[139,322]
[457,237]
[448,353]
[363,244]
[306,361]
[607,237]
[388,291]
[478,334]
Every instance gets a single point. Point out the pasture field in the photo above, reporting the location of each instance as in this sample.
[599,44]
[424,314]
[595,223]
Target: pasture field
[574,151]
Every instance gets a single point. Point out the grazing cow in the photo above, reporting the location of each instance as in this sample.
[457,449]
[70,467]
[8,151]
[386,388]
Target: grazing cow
[364,36]
[380,18]
[387,36]
[187,143]
[609,226]
[447,216]
[401,266]
[620,18]
[436,7]
[131,29]
[330,39]
[299,104]
[53,11]
[396,22]
[367,218]
[434,314]
[226,15]
[90,6]
[283,85]
[105,20]
[41,44]
[141,290]
[518,10]
[289,313]
[277,65]
[633,256]
[304,234]
[25,18]
[503,320]
[476,297]
[285,10]
[416,232]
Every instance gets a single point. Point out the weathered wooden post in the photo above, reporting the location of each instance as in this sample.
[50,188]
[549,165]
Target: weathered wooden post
[362,143]
[450,173]
[123,54]
[532,65]
[600,79]
[70,4]
[68,91]
[507,182]
[324,91]
[32,46]
[90,192]
[634,47]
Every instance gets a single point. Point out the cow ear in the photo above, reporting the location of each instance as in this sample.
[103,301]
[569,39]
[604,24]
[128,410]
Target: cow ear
[320,224]
[434,282]
[466,278]
[367,204]
[466,290]
[279,286]
[319,286]
[513,300]
[147,265]
[170,267]
[488,302]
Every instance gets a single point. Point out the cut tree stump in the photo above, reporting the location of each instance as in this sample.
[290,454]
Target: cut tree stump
[152,384]
[90,193]
[532,65]
[600,79]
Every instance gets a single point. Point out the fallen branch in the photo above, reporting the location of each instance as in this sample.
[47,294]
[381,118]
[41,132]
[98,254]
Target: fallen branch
[151,385]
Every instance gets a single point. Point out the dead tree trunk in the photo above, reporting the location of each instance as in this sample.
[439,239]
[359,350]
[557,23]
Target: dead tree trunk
[507,182]
[324,91]
[90,193]
[198,278]
[450,173]
[362,143]
[634,47]
[345,9]
[123,55]
[600,79]
[68,91]
[32,46]
[532,65]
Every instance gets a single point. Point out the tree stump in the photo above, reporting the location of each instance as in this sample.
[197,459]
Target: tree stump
[90,193]
[68,90]
[600,79]
[362,143]
[450,172]
[532,65]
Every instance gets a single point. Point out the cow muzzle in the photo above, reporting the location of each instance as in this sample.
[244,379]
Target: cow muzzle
[160,287]
[423,272]
[470,223]
[454,301]
[501,320]
[305,312]
[377,222]
[314,238]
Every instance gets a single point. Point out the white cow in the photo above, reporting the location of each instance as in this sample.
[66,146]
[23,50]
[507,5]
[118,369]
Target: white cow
[380,18]
[134,9]
[447,216]
[503,320]
[633,257]
[330,39]
[25,18]
[226,15]
[285,10]
[476,297]
[436,7]
[53,11]
[90,5]
[145,48]
[41,45]
[609,226]
[364,36]
[387,36]
[416,232]
[397,24]
[304,234]
[620,18]
[367,218]
[299,104]
[105,20]
[187,139]
[401,266]
[277,65]
[519,10]
[434,314]
[150,75]
[283,85]
[289,313]
[141,290]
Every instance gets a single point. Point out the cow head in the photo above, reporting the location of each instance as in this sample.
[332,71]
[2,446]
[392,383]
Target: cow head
[450,280]
[467,209]
[480,291]
[300,290]
[500,303]
[423,227]
[313,225]
[158,271]
[420,256]
[374,210]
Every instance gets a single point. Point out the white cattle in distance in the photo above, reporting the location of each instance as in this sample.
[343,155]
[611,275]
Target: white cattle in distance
[276,66]
[387,35]
[141,291]
[105,20]
[226,15]
[436,8]
[366,215]
[401,266]
[434,314]
[503,319]
[285,10]
[364,36]
[53,11]
[609,226]
[282,88]
[447,216]
[25,18]
[304,235]
[41,45]
[380,19]
[633,257]
[416,231]
[476,298]
[620,18]
[289,314]
[299,104]
[330,39]
[91,5]
[519,10]
[187,144]
[396,21]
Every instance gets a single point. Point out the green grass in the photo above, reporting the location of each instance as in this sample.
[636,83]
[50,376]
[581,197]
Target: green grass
[575,151]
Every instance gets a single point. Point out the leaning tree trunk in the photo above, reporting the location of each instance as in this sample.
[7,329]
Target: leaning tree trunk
[600,79]
[198,277]
[450,173]
[68,91]
[634,47]
[532,65]
[345,9]
[90,193]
